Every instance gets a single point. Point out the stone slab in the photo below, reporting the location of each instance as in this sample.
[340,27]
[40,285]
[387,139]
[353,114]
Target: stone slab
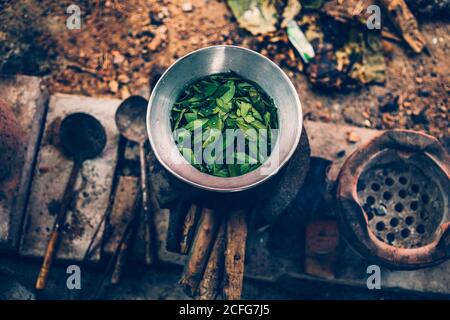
[28,99]
[92,188]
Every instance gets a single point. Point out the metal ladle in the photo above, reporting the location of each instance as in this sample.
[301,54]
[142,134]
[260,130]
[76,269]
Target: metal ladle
[131,122]
[82,137]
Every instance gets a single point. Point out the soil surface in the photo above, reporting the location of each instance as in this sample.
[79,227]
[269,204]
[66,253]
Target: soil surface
[122,45]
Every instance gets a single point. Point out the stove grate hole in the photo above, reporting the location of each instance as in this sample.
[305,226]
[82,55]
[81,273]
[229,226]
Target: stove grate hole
[394,222]
[403,180]
[420,229]
[380,226]
[398,210]
[414,205]
[390,237]
[409,220]
[398,207]
[387,195]
[402,194]
[405,233]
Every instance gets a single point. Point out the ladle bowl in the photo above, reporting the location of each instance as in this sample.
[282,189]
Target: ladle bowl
[130,118]
[82,136]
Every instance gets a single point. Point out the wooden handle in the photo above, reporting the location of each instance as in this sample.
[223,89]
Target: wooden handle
[54,236]
[48,259]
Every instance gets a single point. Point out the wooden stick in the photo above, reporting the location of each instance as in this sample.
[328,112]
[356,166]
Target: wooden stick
[188,229]
[53,243]
[209,286]
[235,255]
[390,36]
[200,250]
[405,22]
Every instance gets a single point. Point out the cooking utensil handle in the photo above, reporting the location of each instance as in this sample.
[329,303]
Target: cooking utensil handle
[48,259]
[148,216]
[54,236]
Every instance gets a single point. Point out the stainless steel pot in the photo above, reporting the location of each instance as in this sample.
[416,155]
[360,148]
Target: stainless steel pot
[217,59]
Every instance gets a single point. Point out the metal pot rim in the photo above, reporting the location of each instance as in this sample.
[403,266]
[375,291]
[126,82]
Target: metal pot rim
[190,174]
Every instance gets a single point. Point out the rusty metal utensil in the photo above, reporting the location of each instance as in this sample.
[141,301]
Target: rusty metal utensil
[394,200]
[131,122]
[82,137]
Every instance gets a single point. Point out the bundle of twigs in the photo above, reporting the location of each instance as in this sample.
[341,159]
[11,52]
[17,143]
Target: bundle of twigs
[215,267]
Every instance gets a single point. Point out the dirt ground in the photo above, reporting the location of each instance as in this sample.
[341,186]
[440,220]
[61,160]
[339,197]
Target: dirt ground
[122,44]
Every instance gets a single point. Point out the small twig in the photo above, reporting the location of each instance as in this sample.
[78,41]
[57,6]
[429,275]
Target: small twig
[78,67]
[390,36]
[96,10]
